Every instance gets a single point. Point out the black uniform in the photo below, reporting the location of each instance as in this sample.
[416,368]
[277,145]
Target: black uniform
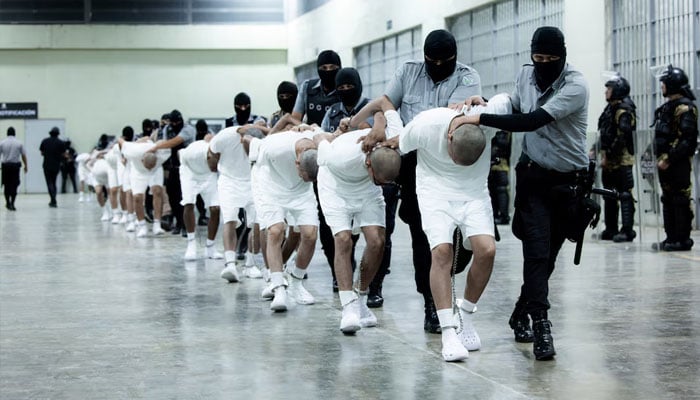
[676,136]
[52,149]
[617,126]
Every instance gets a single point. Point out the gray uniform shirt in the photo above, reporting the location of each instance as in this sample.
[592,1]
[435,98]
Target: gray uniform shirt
[11,150]
[188,134]
[412,91]
[561,144]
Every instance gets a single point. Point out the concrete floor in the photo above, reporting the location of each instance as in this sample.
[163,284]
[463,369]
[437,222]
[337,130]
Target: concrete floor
[88,311]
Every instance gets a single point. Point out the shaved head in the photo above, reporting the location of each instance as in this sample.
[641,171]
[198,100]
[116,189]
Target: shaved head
[385,163]
[467,144]
[149,160]
[308,166]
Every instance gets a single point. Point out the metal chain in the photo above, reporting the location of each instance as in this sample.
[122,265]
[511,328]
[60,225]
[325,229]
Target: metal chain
[456,246]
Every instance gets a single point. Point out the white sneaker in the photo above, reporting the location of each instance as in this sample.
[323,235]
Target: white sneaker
[213,254]
[279,303]
[105,216]
[143,231]
[350,319]
[252,272]
[230,273]
[299,292]
[191,253]
[249,260]
[367,317]
[267,293]
[116,218]
[266,274]
[452,348]
[131,226]
[81,198]
[157,230]
[467,334]
[123,219]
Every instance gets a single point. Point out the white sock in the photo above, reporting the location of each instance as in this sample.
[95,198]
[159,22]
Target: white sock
[346,297]
[156,222]
[142,222]
[446,317]
[230,256]
[210,243]
[277,279]
[298,272]
[190,236]
[467,306]
[115,211]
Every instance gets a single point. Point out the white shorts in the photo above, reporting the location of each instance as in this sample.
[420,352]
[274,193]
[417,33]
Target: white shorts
[194,184]
[140,182]
[441,217]
[104,175]
[126,178]
[344,214]
[120,173]
[84,173]
[232,199]
[303,211]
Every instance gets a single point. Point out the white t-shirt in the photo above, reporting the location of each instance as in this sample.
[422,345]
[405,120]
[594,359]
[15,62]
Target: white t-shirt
[344,160]
[233,161]
[195,157]
[437,176]
[113,156]
[134,151]
[275,159]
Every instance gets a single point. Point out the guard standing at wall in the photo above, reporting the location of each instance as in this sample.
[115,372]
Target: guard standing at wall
[617,127]
[675,141]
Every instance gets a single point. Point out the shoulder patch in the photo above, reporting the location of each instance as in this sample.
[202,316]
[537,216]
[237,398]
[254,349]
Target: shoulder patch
[467,80]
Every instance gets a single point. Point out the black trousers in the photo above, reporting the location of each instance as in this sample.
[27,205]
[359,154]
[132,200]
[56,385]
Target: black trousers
[410,214]
[622,180]
[172,186]
[68,172]
[539,221]
[50,175]
[10,180]
[675,198]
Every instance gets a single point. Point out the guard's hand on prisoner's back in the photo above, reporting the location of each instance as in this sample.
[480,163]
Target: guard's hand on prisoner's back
[375,136]
[344,125]
[391,143]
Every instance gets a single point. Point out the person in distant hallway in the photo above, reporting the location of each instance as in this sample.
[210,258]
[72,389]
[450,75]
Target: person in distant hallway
[11,151]
[675,142]
[52,148]
[68,167]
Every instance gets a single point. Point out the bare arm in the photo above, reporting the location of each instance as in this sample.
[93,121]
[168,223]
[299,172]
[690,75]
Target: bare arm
[381,103]
[167,144]
[24,160]
[213,160]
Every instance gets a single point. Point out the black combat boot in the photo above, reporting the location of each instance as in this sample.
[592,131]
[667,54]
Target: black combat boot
[431,323]
[627,234]
[543,345]
[374,298]
[520,323]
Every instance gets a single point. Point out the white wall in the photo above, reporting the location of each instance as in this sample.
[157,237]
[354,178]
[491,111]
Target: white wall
[101,78]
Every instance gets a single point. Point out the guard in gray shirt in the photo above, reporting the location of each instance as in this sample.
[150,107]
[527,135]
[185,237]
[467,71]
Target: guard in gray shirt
[550,104]
[11,150]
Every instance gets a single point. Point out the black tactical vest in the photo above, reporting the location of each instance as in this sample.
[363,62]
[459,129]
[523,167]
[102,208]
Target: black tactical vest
[666,129]
[317,102]
[337,112]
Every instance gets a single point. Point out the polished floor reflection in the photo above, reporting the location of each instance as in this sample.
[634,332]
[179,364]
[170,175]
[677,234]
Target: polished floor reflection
[89,311]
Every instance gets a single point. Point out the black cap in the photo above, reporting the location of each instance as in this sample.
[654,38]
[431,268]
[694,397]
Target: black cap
[548,40]
[54,131]
[10,131]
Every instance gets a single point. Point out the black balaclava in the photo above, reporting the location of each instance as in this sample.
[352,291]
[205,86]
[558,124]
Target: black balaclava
[328,77]
[440,45]
[128,133]
[10,131]
[349,76]
[286,87]
[548,40]
[242,116]
[176,122]
[54,132]
[202,129]
[146,127]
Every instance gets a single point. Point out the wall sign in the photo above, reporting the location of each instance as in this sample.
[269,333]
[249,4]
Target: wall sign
[19,110]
